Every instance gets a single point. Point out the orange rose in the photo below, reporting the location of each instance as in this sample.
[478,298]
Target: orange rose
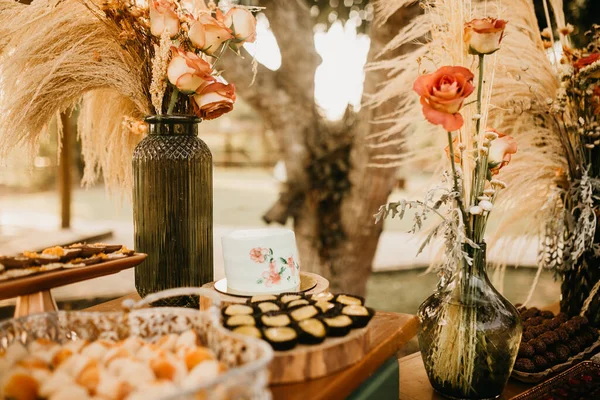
[500,151]
[483,36]
[442,95]
[585,61]
[243,24]
[207,33]
[214,100]
[163,17]
[187,71]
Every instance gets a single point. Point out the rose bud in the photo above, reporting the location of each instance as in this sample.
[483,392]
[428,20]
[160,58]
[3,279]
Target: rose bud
[214,100]
[242,23]
[483,36]
[163,17]
[442,95]
[500,151]
[207,33]
[187,71]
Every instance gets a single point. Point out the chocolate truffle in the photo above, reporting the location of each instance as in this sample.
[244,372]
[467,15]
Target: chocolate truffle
[536,330]
[541,363]
[527,336]
[551,324]
[574,347]
[525,365]
[563,336]
[530,313]
[549,338]
[562,317]
[581,321]
[547,314]
[551,357]
[562,352]
[526,350]
[533,321]
[538,345]
[571,327]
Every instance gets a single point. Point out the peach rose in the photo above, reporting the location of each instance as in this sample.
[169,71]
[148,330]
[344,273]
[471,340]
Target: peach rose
[500,151]
[208,33]
[163,17]
[442,95]
[214,100]
[187,71]
[290,262]
[483,36]
[242,23]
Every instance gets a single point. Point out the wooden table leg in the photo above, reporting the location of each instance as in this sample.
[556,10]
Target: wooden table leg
[35,303]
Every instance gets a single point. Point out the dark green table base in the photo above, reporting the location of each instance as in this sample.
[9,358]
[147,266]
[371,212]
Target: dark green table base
[384,384]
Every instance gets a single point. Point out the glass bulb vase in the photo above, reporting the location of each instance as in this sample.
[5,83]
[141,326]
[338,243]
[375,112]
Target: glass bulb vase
[172,207]
[470,334]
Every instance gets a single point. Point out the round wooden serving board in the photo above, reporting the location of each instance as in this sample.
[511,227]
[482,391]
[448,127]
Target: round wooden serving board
[304,362]
[322,286]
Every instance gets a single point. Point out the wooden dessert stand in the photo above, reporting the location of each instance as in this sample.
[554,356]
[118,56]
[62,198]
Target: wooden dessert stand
[320,285]
[33,292]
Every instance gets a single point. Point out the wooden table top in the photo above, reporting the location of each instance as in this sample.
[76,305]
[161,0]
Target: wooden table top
[389,332]
[414,384]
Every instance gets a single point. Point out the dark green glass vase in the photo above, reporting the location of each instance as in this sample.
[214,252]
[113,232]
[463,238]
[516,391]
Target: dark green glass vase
[470,334]
[172,207]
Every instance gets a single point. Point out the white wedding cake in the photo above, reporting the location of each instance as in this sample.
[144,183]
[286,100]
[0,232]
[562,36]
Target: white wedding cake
[261,261]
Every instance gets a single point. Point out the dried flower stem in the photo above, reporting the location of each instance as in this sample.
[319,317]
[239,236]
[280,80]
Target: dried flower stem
[457,187]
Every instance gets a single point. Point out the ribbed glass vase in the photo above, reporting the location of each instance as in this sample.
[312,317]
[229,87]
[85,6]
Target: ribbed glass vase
[173,207]
[470,334]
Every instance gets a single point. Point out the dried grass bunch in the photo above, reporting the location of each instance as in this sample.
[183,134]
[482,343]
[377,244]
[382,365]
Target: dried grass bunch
[118,61]
[519,79]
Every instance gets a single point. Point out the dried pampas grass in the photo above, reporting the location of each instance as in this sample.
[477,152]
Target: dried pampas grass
[56,53]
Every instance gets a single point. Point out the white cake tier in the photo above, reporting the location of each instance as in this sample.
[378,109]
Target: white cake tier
[261,261]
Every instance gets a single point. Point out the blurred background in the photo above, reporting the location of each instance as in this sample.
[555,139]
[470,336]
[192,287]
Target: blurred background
[42,203]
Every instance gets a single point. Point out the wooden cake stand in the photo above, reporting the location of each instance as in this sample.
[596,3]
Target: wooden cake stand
[318,285]
[33,291]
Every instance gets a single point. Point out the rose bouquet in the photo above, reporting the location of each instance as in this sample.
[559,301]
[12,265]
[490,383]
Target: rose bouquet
[117,61]
[469,333]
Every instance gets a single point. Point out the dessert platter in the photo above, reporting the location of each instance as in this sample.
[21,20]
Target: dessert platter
[153,353]
[579,382]
[312,336]
[30,275]
[552,343]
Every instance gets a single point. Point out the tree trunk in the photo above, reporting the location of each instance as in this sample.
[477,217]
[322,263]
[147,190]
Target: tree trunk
[331,193]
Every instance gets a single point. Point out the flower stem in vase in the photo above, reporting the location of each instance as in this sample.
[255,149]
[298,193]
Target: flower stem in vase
[173,100]
[456,185]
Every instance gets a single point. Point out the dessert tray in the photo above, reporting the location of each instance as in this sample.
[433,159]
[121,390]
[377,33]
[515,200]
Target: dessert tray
[30,276]
[579,382]
[551,344]
[312,336]
[145,353]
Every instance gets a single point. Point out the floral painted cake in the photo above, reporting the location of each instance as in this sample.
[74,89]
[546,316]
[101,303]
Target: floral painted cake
[261,261]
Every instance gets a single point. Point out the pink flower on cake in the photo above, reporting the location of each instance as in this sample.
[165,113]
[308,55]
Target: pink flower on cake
[271,277]
[259,254]
[442,95]
[290,262]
